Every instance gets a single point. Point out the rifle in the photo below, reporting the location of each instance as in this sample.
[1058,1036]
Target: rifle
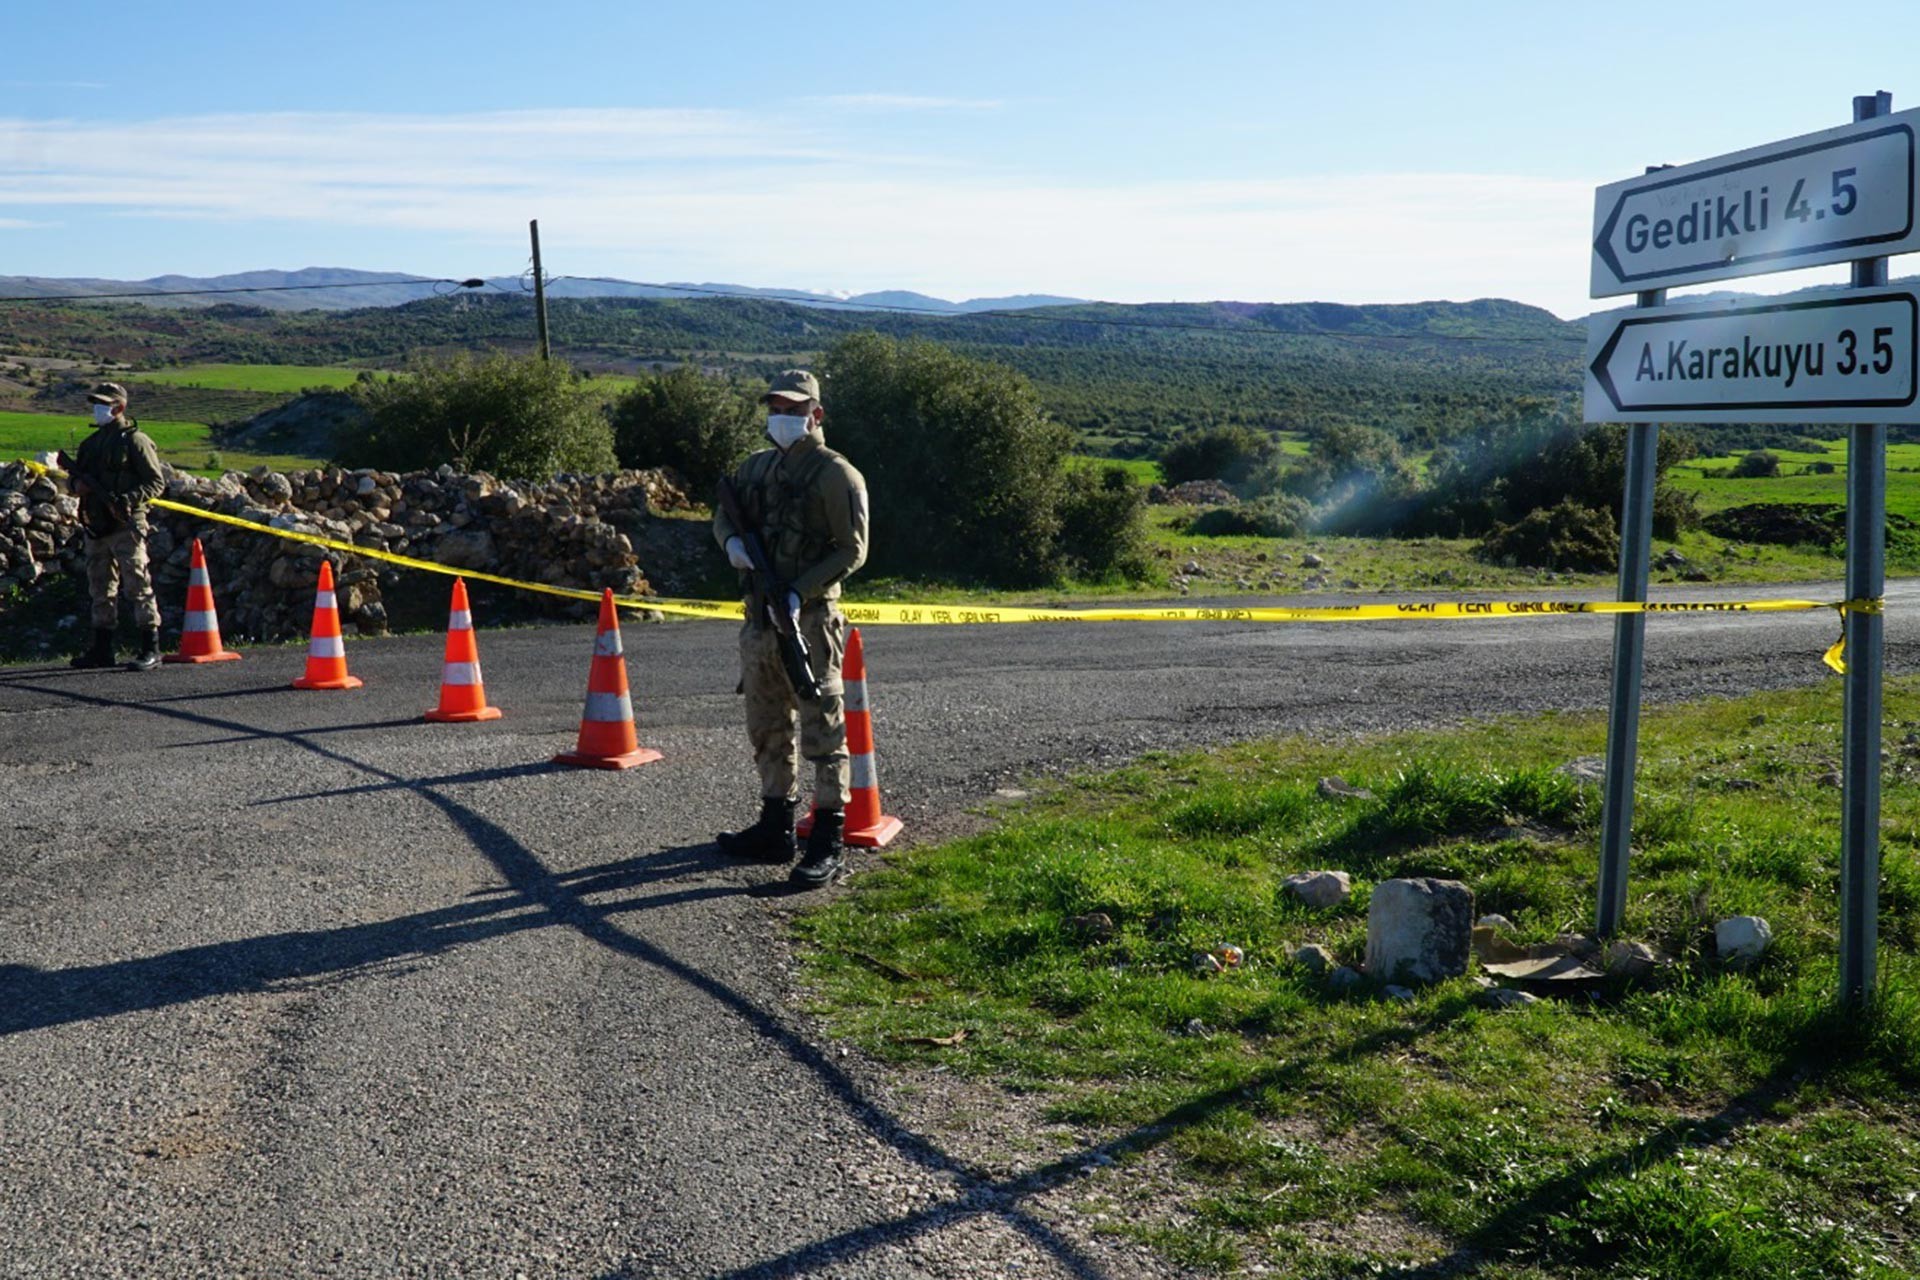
[793,645]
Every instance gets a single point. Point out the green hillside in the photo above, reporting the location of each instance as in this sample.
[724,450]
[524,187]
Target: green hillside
[1122,376]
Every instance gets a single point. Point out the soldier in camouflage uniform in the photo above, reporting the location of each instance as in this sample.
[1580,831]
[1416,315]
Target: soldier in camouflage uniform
[115,475]
[810,509]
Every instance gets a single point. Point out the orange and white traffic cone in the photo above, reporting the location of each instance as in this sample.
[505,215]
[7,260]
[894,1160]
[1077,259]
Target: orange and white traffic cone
[326,651]
[462,697]
[200,631]
[606,727]
[867,827]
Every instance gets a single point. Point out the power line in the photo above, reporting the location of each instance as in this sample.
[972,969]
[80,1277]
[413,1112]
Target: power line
[1035,316]
[265,288]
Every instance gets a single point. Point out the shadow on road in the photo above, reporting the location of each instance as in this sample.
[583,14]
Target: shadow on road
[538,898]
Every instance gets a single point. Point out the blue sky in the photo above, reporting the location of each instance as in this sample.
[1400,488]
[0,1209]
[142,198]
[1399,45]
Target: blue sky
[1365,152]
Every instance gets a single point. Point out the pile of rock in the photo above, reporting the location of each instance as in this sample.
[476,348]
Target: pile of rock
[1192,493]
[37,524]
[571,531]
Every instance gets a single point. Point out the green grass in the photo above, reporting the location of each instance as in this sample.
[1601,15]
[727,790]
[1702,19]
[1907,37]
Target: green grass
[1716,489]
[252,377]
[1704,1123]
[186,445]
[1143,470]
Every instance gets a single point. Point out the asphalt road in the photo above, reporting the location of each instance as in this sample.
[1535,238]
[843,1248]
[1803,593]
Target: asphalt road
[295,984]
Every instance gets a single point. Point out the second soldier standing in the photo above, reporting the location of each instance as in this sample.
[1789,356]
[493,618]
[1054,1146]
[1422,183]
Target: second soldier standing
[808,505]
[115,474]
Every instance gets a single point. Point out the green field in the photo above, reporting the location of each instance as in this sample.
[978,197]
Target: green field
[1144,470]
[1700,1122]
[1717,489]
[287,378]
[186,445]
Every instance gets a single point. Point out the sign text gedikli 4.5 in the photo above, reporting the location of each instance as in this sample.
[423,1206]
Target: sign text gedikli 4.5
[1844,193]
[1814,358]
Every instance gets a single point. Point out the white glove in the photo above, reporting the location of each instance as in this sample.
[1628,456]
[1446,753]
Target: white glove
[793,605]
[737,554]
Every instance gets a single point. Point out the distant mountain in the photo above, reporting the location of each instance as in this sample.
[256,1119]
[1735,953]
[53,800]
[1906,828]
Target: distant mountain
[343,289]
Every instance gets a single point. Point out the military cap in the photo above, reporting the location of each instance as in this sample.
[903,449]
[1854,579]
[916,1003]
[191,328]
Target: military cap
[794,384]
[108,393]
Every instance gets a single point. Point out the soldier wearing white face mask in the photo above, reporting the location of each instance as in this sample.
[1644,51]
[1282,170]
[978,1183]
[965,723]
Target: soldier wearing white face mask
[115,474]
[808,507]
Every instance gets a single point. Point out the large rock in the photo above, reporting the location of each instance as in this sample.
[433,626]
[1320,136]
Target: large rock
[1741,940]
[1419,930]
[466,549]
[1320,888]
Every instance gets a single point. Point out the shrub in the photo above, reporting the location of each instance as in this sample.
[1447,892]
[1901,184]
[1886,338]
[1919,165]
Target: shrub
[1102,524]
[698,425]
[1232,454]
[1280,516]
[1533,458]
[1568,537]
[513,416]
[967,473]
[1760,464]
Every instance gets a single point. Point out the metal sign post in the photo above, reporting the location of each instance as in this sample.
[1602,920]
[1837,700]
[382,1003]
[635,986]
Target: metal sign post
[1629,658]
[1860,754]
[1847,356]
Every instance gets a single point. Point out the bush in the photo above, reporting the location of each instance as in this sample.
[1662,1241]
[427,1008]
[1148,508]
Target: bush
[1230,454]
[1357,477]
[1532,459]
[1568,537]
[1102,524]
[682,419]
[1280,516]
[513,416]
[1760,464]
[966,472]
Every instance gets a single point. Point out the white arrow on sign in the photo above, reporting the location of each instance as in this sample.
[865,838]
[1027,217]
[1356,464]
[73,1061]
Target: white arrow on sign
[1832,356]
[1845,193]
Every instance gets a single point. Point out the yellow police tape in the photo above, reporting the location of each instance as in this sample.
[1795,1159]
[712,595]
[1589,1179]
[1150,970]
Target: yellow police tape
[969,615]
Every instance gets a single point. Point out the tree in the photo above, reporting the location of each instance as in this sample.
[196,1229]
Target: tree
[514,416]
[1760,464]
[1232,454]
[967,473]
[698,425]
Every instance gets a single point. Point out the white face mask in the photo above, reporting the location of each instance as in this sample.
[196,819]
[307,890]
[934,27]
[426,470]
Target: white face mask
[102,414]
[787,429]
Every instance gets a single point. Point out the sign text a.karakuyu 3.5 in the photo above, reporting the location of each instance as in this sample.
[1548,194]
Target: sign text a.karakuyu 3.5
[1845,193]
[1826,356]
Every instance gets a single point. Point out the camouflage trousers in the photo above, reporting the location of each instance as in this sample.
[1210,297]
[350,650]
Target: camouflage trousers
[774,713]
[117,565]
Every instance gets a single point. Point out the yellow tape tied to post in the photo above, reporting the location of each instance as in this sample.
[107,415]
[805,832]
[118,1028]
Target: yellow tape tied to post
[975,615]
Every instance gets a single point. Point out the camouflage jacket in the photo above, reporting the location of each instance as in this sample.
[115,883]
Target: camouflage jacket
[809,506]
[121,474]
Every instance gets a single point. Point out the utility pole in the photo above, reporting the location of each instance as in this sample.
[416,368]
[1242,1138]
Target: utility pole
[540,292]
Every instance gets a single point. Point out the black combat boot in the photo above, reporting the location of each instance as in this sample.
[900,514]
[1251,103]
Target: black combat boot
[100,655]
[824,862]
[149,656]
[770,840]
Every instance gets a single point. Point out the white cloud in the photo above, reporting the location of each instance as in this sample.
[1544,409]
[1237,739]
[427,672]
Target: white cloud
[907,102]
[23,224]
[722,195]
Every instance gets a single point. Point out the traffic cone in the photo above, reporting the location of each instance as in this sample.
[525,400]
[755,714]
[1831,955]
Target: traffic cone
[462,697]
[867,827]
[200,632]
[326,651]
[606,727]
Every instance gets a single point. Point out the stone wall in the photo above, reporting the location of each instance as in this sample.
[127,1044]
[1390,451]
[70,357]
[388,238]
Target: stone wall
[571,531]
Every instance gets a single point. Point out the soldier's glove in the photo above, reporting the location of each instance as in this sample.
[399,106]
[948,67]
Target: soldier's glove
[737,555]
[793,608]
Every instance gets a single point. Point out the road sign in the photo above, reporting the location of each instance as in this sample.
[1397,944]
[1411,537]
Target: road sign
[1845,193]
[1825,356]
